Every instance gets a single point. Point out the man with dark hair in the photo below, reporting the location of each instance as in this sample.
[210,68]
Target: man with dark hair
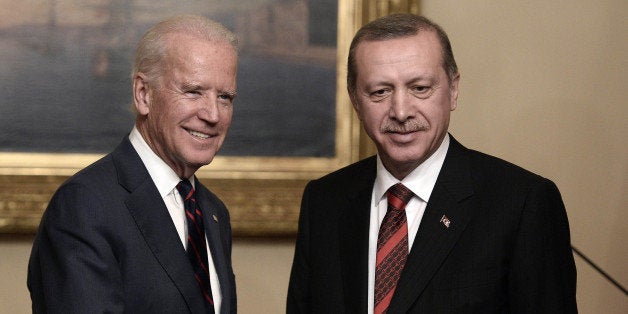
[136,232]
[427,225]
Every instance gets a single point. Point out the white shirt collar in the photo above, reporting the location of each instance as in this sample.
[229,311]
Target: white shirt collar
[163,176]
[420,181]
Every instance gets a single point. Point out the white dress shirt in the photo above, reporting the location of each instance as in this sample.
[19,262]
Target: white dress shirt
[166,181]
[421,182]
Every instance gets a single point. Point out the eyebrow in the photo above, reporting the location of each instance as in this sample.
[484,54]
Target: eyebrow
[191,86]
[228,92]
[198,87]
[423,77]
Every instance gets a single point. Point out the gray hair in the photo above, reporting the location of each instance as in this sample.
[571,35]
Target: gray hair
[152,48]
[397,26]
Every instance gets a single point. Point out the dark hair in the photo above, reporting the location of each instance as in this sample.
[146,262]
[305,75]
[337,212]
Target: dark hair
[396,26]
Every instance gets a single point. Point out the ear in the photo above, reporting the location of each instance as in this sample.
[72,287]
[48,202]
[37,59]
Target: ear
[141,94]
[454,92]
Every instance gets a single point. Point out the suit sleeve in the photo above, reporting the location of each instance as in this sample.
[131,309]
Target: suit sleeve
[299,297]
[542,278]
[72,267]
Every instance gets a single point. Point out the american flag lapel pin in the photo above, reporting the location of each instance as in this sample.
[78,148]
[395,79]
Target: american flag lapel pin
[445,221]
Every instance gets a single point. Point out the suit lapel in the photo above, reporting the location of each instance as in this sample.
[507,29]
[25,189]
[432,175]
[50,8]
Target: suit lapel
[354,240]
[155,224]
[212,232]
[434,240]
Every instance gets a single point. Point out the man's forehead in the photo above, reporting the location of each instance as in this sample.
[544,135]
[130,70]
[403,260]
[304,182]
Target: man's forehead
[427,38]
[397,49]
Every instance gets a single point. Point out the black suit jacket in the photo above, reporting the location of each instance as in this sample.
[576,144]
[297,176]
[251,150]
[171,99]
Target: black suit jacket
[107,243]
[507,249]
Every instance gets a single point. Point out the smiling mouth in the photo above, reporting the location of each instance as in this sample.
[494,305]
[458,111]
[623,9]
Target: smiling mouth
[199,134]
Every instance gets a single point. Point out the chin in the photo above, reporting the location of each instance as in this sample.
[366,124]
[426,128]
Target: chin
[205,162]
[408,158]
[200,160]
[407,161]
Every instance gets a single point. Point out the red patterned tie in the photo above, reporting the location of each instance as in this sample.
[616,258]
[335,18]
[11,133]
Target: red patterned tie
[196,250]
[392,246]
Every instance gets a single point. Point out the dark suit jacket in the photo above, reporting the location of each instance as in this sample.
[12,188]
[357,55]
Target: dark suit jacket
[107,244]
[507,249]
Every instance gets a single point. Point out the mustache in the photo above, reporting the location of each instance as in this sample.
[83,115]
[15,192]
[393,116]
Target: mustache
[405,127]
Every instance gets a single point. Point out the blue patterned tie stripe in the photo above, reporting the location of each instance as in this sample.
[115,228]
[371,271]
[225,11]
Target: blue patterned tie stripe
[196,248]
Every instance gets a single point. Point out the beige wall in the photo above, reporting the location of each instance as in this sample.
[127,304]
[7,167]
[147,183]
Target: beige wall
[13,260]
[542,86]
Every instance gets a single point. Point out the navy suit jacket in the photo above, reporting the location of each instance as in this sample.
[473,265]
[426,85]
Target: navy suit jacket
[107,243]
[506,250]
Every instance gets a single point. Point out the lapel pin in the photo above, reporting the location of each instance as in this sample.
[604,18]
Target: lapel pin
[215,218]
[445,221]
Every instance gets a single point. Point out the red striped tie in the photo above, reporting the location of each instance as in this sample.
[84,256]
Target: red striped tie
[392,246]
[196,250]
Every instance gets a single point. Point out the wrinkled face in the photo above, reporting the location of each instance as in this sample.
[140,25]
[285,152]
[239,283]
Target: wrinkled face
[403,98]
[185,117]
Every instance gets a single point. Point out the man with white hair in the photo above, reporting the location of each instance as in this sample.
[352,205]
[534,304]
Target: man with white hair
[136,232]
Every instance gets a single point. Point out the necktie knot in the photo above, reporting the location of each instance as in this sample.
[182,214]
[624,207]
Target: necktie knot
[185,189]
[398,196]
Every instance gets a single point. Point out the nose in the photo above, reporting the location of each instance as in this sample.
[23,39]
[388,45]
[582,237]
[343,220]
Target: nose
[208,110]
[400,107]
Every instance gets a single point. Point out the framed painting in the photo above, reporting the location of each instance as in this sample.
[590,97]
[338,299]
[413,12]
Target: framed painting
[65,94]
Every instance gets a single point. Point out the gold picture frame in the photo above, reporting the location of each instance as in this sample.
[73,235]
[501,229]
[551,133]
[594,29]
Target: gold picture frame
[262,193]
